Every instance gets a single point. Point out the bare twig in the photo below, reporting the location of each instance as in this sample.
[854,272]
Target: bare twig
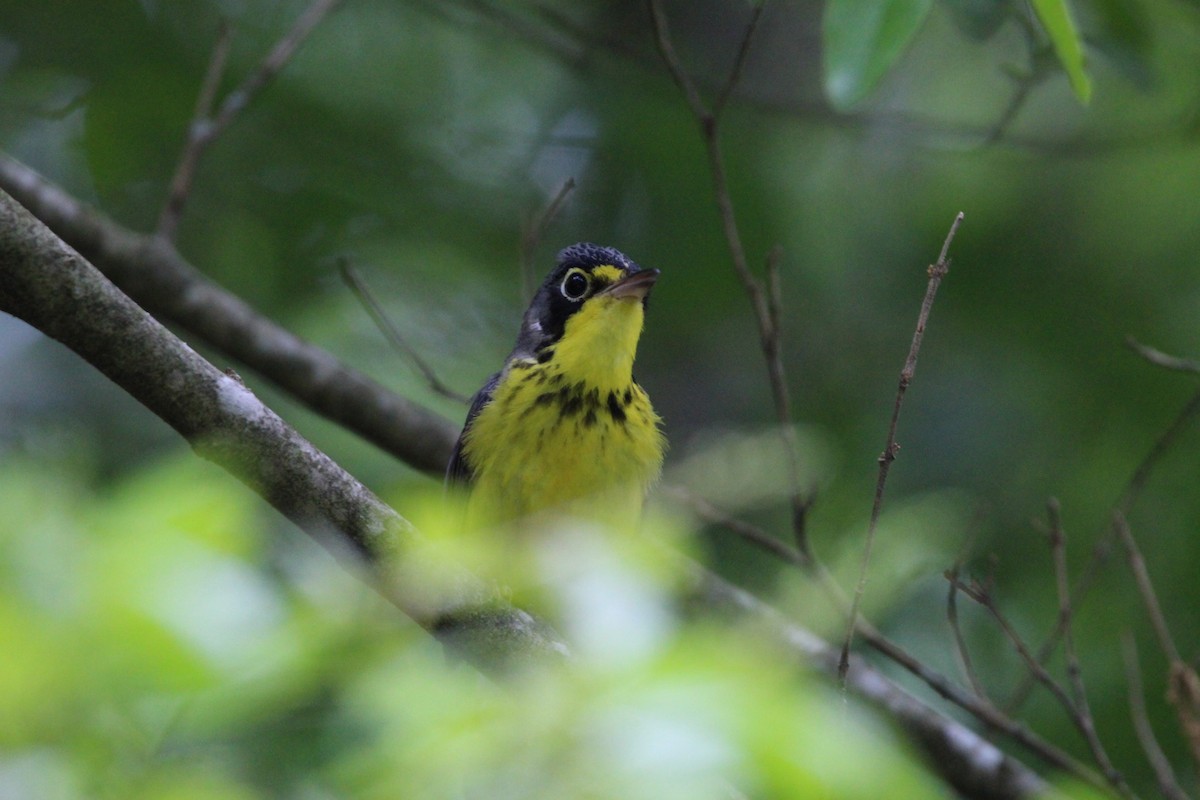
[385,324]
[739,63]
[978,706]
[185,170]
[1161,359]
[46,284]
[157,277]
[1183,684]
[960,643]
[1101,549]
[532,232]
[269,67]
[51,287]
[989,778]
[708,120]
[205,128]
[1163,773]
[1183,693]
[1137,565]
[753,534]
[1086,722]
[937,271]
[1081,720]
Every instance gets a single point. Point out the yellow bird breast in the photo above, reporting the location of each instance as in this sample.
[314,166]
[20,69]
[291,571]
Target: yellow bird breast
[570,432]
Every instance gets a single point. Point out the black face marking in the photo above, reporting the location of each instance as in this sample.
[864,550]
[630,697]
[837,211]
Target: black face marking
[628,397]
[564,292]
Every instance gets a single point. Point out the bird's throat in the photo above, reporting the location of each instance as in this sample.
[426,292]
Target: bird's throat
[599,344]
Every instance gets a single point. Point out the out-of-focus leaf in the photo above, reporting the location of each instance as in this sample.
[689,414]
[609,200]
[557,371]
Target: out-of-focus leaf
[1056,19]
[862,39]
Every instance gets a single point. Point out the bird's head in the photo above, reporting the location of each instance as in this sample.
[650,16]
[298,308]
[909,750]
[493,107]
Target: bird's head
[587,315]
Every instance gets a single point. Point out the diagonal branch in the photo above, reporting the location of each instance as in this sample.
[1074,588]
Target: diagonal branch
[1079,719]
[761,297]
[47,284]
[978,704]
[50,286]
[937,271]
[205,128]
[1082,708]
[1164,774]
[153,273]
[1124,504]
[1183,684]
[357,285]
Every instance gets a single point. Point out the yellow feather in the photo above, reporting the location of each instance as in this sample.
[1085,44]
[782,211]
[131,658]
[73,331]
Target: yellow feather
[574,435]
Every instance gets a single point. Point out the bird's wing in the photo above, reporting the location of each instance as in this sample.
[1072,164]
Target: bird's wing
[459,472]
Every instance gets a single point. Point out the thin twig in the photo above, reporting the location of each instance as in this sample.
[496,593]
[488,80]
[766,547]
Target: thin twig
[1078,718]
[1183,685]
[531,235]
[205,129]
[353,280]
[237,100]
[739,63]
[978,706]
[1183,693]
[185,170]
[1145,585]
[152,272]
[1086,722]
[937,271]
[1101,549]
[708,120]
[753,534]
[1163,773]
[1161,359]
[960,642]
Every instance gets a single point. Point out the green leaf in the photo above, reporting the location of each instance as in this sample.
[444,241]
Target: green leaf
[862,39]
[1056,19]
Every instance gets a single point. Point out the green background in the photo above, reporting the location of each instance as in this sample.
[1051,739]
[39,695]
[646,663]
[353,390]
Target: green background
[417,138]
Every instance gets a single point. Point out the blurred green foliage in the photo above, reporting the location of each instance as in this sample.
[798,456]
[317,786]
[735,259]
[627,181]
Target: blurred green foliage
[415,138]
[157,647]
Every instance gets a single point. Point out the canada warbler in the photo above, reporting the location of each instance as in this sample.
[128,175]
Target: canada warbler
[563,427]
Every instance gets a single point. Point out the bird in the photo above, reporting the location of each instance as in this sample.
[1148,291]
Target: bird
[563,428]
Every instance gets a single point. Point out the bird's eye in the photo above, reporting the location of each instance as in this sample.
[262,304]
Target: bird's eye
[575,285]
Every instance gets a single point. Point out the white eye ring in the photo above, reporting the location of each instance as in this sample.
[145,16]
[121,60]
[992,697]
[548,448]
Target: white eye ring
[575,285]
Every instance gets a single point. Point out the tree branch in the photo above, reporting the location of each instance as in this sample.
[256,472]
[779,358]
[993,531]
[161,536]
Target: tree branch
[154,274]
[762,298]
[1163,773]
[390,332]
[205,128]
[971,764]
[50,286]
[937,271]
[45,283]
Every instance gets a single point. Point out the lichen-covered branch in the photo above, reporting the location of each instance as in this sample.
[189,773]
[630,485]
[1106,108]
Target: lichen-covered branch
[152,272]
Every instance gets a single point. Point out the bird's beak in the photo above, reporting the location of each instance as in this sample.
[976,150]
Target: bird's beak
[636,285]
